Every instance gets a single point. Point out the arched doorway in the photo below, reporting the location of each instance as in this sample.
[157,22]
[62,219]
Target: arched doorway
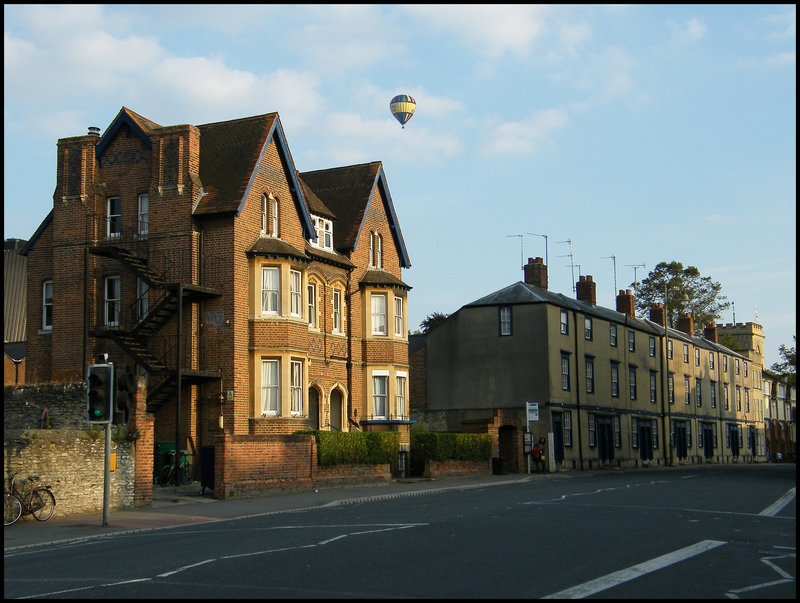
[313,408]
[336,410]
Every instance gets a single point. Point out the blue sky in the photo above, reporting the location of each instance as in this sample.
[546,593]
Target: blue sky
[647,133]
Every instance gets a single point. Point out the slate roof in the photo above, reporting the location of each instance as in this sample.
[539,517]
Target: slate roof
[381,278]
[272,247]
[229,155]
[524,293]
[347,192]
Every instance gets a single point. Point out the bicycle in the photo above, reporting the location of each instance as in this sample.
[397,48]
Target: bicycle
[167,475]
[39,501]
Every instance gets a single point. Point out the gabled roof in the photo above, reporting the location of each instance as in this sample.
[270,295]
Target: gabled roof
[231,153]
[141,126]
[347,191]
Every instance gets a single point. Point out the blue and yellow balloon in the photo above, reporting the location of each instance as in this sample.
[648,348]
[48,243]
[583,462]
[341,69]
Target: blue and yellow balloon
[403,107]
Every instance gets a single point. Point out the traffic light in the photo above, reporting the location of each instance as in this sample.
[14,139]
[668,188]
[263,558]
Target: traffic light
[99,393]
[124,390]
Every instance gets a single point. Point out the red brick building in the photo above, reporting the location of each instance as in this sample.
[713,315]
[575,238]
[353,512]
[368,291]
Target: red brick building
[254,298]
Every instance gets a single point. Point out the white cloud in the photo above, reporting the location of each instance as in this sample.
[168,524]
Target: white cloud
[526,136]
[782,59]
[489,29]
[689,32]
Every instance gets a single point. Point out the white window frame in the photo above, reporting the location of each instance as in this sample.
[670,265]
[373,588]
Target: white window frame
[652,346]
[588,330]
[589,375]
[505,320]
[296,387]
[378,313]
[47,305]
[336,301]
[296,293]
[312,305]
[144,215]
[612,335]
[631,341]
[632,389]
[270,290]
[614,379]
[270,387]
[113,219]
[671,388]
[564,322]
[653,387]
[711,361]
[275,218]
[380,394]
[398,317]
[112,304]
[687,397]
[142,299]
[264,214]
[400,394]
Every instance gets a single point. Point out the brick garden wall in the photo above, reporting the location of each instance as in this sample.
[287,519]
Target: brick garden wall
[452,468]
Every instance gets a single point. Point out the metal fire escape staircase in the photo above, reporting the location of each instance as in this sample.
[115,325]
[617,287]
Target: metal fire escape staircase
[138,331]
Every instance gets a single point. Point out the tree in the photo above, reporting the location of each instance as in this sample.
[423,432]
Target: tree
[432,320]
[705,302]
[787,368]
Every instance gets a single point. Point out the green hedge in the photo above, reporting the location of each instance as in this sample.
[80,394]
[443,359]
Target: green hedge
[357,447]
[437,446]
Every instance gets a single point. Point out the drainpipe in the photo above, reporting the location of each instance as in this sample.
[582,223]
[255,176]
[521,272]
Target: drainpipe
[349,364]
[577,392]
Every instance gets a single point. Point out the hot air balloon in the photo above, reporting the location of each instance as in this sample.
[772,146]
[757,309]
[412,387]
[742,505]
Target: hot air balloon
[402,107]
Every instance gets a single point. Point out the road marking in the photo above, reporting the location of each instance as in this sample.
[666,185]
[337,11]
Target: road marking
[779,504]
[185,567]
[597,585]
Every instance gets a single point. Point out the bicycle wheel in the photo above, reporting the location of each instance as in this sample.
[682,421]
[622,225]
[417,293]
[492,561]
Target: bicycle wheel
[186,475]
[166,473]
[12,509]
[43,503]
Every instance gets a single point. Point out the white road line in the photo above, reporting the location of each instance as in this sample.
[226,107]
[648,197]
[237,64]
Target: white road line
[779,504]
[597,585]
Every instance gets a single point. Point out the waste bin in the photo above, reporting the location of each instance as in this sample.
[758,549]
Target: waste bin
[206,468]
[498,465]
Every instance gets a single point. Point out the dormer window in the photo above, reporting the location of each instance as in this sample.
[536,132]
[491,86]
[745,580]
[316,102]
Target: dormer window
[324,230]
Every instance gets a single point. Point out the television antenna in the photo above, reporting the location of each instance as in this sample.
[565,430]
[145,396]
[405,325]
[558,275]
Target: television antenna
[571,262]
[521,254]
[614,259]
[635,280]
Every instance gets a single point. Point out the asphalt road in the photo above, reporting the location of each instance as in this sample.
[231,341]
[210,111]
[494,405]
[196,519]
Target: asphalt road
[705,532]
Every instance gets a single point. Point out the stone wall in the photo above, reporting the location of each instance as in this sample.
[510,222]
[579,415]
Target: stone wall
[70,455]
[72,461]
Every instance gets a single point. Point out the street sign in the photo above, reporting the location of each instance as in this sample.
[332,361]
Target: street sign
[533,411]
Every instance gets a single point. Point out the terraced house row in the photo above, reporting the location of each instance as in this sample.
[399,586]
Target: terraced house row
[255,299]
[612,389]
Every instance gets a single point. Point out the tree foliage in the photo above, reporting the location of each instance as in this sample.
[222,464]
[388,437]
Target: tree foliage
[787,368]
[432,320]
[704,299]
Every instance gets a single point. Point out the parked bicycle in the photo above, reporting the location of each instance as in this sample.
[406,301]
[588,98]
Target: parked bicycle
[183,468]
[38,500]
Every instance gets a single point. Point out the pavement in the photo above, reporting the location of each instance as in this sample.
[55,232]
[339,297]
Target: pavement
[184,505]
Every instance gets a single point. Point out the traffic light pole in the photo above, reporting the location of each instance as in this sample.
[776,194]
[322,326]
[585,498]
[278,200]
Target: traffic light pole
[107,475]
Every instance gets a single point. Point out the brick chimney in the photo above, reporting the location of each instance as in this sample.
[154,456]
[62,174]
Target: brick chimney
[686,323]
[587,290]
[536,273]
[657,314]
[626,303]
[710,333]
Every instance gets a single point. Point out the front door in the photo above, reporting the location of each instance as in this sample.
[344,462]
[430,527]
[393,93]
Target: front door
[558,437]
[708,440]
[336,410]
[645,440]
[605,439]
[313,408]
[679,429]
[733,436]
[509,447]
